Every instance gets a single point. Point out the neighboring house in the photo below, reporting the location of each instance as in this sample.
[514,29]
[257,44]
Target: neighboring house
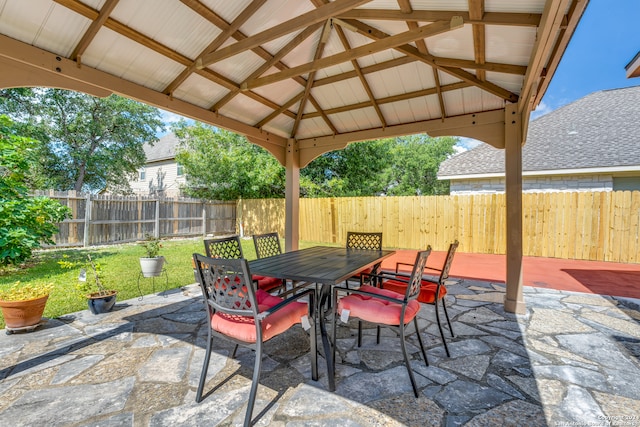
[162,175]
[592,144]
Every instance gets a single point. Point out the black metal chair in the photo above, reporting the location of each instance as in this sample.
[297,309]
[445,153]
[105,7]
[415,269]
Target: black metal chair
[387,308]
[366,241]
[432,291]
[231,248]
[246,316]
[267,244]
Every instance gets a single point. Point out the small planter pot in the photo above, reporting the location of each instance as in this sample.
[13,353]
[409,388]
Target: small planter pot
[151,267]
[21,314]
[99,304]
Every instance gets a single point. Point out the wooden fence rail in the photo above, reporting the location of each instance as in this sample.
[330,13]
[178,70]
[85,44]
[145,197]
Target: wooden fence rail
[98,219]
[599,226]
[602,226]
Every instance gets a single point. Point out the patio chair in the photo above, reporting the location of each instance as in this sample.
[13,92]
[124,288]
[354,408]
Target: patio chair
[267,244]
[385,308]
[431,291]
[231,248]
[367,241]
[246,316]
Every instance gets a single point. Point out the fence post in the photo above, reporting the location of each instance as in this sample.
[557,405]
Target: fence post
[87,221]
[156,231]
[204,219]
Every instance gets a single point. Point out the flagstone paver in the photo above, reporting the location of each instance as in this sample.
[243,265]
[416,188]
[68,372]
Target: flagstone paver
[571,358]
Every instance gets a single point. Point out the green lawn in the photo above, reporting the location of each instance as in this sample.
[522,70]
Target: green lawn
[120,268]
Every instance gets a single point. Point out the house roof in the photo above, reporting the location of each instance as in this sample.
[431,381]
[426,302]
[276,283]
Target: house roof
[633,67]
[599,131]
[163,149]
[318,72]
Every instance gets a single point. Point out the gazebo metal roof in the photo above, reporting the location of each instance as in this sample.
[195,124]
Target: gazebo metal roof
[302,77]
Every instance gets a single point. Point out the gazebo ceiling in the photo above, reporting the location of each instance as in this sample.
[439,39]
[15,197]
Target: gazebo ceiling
[322,73]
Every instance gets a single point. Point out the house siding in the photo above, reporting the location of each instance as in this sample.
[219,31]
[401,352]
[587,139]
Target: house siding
[600,182]
[161,178]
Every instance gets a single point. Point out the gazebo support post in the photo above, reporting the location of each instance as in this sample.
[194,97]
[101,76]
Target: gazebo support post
[292,196]
[514,137]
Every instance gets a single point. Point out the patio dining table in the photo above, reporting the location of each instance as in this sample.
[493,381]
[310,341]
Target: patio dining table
[325,267]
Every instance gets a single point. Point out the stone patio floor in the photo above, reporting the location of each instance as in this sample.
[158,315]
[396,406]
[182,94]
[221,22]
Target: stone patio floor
[572,359]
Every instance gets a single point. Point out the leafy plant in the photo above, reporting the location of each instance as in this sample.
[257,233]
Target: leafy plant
[25,292]
[151,245]
[25,221]
[84,286]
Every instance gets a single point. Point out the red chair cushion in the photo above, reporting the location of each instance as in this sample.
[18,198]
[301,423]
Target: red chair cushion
[267,283]
[427,290]
[376,310]
[244,327]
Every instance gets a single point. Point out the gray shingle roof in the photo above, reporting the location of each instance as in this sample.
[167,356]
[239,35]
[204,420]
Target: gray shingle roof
[598,131]
[163,149]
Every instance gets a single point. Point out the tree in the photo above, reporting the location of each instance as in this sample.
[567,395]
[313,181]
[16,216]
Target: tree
[89,143]
[25,222]
[399,166]
[357,170]
[222,165]
[416,160]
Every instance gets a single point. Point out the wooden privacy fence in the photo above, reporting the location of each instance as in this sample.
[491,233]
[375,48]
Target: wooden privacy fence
[602,226]
[98,219]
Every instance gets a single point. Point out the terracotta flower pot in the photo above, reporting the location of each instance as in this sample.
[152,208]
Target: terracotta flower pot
[18,314]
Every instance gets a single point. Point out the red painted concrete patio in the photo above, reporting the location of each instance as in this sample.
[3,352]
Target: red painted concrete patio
[596,277]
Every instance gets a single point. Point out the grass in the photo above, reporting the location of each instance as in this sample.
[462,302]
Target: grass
[120,269]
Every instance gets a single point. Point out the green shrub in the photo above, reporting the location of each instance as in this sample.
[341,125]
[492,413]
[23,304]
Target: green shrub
[25,222]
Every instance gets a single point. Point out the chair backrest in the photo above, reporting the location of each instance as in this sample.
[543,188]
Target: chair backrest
[357,240]
[226,285]
[224,247]
[267,244]
[444,274]
[415,280]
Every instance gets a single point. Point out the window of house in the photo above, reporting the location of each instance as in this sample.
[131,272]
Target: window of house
[180,171]
[626,183]
[142,175]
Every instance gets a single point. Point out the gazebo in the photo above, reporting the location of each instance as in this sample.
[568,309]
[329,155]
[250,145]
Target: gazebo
[304,77]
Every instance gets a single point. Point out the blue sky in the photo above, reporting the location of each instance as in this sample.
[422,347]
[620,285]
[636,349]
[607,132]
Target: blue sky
[606,40]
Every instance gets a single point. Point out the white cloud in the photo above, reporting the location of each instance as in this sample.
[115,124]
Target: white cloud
[169,118]
[541,110]
[466,144]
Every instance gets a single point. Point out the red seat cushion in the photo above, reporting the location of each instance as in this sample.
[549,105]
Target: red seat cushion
[244,327]
[376,310]
[427,290]
[267,283]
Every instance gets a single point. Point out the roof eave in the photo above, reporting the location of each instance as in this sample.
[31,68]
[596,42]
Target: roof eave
[548,172]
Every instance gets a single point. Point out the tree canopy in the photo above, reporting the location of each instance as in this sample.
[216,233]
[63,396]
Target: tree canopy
[87,143]
[224,166]
[25,222]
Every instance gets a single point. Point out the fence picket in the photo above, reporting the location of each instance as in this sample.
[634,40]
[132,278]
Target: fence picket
[601,226]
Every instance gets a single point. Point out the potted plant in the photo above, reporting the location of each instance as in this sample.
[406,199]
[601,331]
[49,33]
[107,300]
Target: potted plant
[152,264]
[23,304]
[99,299]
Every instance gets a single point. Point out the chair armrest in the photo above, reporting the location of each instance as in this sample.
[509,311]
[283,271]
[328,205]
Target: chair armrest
[337,289]
[288,301]
[398,264]
[387,275]
[411,265]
